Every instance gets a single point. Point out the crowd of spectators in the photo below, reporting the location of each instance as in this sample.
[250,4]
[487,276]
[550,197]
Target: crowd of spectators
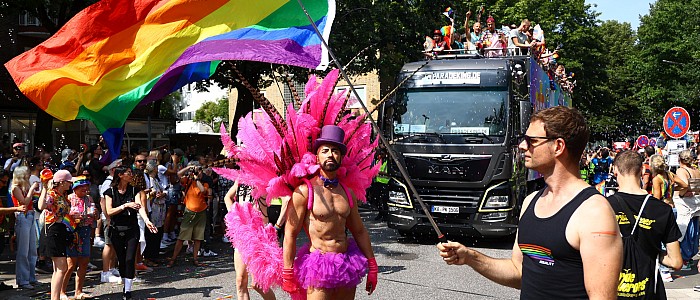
[32,194]
[491,41]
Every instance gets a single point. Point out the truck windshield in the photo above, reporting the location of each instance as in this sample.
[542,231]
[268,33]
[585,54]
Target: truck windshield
[451,111]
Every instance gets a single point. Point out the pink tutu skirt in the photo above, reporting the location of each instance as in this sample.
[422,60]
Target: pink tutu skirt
[330,270]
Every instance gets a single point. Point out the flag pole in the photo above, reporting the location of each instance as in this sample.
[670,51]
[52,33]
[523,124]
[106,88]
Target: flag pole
[383,140]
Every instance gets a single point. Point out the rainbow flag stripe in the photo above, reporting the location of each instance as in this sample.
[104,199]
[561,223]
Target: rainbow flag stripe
[117,54]
[536,252]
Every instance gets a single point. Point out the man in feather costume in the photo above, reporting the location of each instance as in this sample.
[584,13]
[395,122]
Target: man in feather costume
[332,265]
[322,160]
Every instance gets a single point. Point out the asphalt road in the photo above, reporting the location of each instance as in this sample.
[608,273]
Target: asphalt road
[408,269]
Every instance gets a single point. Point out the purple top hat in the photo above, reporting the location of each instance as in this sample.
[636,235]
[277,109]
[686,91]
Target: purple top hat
[331,134]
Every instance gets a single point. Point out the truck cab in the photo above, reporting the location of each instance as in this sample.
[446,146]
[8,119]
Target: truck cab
[455,125]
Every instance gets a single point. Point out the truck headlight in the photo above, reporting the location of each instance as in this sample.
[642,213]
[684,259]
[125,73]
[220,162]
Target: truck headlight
[496,202]
[398,198]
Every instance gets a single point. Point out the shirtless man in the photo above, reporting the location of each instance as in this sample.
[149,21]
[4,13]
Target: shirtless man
[568,243]
[325,217]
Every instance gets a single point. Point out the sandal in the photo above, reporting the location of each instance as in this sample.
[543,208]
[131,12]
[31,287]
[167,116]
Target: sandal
[171,263]
[150,263]
[82,296]
[198,264]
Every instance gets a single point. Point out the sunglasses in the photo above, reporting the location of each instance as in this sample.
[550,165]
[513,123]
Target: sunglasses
[19,148]
[140,161]
[530,139]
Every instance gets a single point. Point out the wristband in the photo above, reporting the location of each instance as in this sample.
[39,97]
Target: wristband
[277,227]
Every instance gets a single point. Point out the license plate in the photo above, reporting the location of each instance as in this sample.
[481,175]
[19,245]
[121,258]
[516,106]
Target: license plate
[445,209]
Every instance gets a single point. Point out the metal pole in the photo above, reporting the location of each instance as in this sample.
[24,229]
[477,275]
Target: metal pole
[384,142]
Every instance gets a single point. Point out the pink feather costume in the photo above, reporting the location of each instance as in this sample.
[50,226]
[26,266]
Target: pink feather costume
[275,157]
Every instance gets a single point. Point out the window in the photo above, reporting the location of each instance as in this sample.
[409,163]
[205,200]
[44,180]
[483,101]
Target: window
[289,96]
[26,19]
[352,103]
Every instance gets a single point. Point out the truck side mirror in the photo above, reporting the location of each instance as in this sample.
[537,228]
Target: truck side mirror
[525,114]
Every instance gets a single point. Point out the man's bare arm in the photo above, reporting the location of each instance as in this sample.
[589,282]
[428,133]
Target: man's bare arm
[600,246]
[673,258]
[358,230]
[504,271]
[295,222]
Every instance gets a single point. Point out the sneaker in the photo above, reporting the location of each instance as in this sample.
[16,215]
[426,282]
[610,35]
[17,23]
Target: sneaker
[164,245]
[225,240]
[108,277]
[45,269]
[138,280]
[115,272]
[5,287]
[666,276]
[26,286]
[99,242]
[208,253]
[189,250]
[91,266]
[143,268]
[687,266]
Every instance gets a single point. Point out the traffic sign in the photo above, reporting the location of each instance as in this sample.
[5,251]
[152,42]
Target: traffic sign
[642,141]
[652,142]
[676,122]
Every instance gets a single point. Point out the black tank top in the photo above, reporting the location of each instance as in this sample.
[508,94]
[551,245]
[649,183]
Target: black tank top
[552,269]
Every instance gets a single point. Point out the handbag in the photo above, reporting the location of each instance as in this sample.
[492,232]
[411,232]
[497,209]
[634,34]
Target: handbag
[639,274]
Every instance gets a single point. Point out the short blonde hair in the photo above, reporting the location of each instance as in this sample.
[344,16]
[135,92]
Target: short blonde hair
[686,157]
[658,164]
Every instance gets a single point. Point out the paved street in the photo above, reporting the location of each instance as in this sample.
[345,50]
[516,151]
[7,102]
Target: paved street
[408,269]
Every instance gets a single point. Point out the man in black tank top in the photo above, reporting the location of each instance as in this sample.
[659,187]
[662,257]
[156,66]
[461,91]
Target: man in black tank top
[568,243]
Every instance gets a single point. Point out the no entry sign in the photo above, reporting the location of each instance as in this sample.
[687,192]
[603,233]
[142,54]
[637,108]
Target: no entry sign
[676,122]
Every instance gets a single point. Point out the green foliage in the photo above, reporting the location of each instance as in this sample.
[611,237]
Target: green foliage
[171,105]
[212,113]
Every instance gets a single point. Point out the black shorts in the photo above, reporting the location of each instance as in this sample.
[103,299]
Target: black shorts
[55,240]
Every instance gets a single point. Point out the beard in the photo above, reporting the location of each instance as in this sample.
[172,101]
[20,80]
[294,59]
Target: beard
[330,165]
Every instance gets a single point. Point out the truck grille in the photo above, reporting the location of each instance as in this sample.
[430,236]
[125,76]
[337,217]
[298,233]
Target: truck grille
[466,200]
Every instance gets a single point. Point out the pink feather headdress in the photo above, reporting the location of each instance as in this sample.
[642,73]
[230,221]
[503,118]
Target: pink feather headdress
[275,156]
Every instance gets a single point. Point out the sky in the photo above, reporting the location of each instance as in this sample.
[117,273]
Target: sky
[621,10]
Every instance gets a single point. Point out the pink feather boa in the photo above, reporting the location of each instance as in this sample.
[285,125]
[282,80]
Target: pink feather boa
[256,242]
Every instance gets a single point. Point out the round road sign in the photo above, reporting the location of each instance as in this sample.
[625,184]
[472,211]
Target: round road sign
[676,122]
[642,141]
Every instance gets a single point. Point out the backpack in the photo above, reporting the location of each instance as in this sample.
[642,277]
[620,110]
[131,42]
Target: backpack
[603,165]
[640,266]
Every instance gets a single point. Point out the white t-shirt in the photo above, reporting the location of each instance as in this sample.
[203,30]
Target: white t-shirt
[12,168]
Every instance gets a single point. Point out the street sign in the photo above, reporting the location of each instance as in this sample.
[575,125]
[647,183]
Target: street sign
[652,142]
[642,141]
[676,122]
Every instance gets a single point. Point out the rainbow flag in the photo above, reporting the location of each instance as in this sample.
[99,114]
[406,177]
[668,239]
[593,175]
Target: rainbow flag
[118,54]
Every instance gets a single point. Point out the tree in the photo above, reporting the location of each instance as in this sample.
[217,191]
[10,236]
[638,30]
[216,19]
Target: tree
[665,59]
[212,113]
[171,105]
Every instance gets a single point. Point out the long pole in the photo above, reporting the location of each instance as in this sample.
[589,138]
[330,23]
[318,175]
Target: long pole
[384,142]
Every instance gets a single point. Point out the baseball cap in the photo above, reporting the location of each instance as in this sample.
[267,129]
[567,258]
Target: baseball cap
[18,145]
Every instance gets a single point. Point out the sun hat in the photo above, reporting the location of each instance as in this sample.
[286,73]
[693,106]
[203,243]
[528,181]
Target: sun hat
[62,175]
[331,134]
[80,180]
